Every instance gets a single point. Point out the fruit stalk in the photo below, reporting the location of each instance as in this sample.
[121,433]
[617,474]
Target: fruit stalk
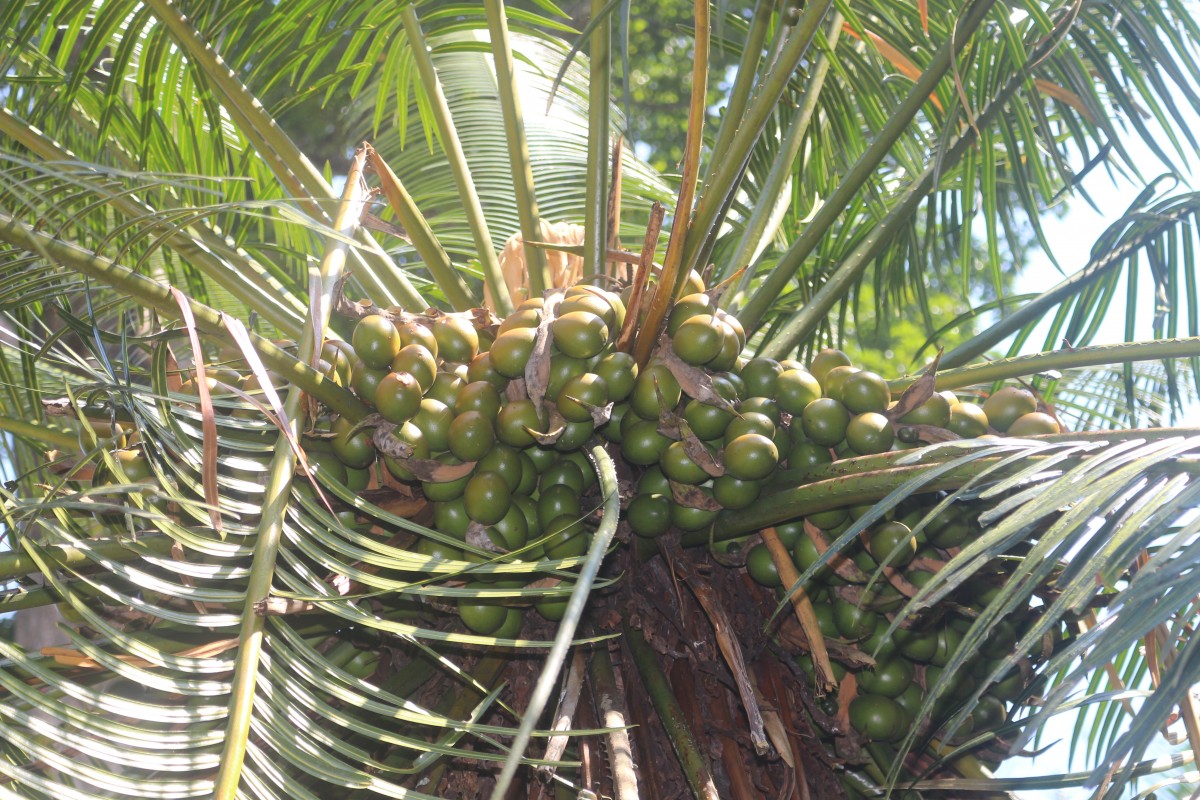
[670,280]
[802,606]
[691,759]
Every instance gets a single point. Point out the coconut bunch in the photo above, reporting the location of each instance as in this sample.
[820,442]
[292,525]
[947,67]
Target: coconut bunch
[481,427]
[490,424]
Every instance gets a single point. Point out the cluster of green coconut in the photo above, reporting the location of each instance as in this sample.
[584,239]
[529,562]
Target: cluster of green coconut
[896,672]
[490,425]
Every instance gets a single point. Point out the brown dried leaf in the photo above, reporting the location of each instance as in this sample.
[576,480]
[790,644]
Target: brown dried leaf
[715,292]
[697,451]
[444,473]
[899,582]
[918,391]
[730,647]
[550,437]
[280,606]
[929,434]
[693,497]
[849,655]
[791,634]
[802,607]
[174,374]
[926,564]
[847,691]
[776,731]
[386,442]
[58,407]
[694,381]
[393,503]
[600,414]
[477,536]
[641,279]
[670,424]
[374,223]
[430,470]
[208,420]
[537,371]
[346,307]
[515,390]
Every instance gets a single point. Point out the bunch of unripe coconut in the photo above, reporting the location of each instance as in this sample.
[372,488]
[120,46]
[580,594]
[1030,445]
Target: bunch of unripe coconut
[491,423]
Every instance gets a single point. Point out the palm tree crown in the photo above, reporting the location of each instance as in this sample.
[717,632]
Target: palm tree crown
[243,619]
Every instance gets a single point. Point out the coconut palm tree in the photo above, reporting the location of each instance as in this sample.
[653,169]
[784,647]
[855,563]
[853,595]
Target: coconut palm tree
[245,617]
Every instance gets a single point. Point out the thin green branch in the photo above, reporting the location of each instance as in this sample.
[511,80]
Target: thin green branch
[1038,307]
[991,784]
[807,319]
[20,564]
[769,198]
[609,696]
[673,276]
[743,83]
[595,213]
[275,501]
[1058,360]
[152,294]
[863,170]
[38,432]
[21,599]
[457,160]
[303,181]
[723,185]
[691,758]
[422,236]
[518,146]
[867,479]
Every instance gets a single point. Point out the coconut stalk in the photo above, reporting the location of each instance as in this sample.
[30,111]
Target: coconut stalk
[595,212]
[1058,360]
[153,294]
[294,171]
[518,146]
[457,159]
[609,695]
[601,539]
[868,479]
[673,275]
[723,184]
[674,722]
[764,213]
[229,267]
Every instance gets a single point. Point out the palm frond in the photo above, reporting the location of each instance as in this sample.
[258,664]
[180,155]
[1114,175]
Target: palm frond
[1062,522]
